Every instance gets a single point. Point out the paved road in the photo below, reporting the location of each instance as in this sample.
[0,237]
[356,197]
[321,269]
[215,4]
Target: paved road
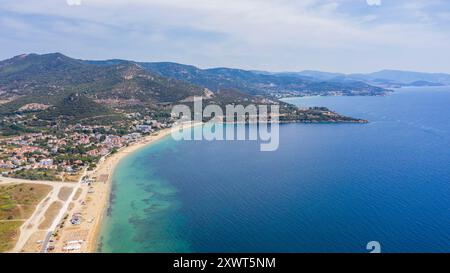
[46,241]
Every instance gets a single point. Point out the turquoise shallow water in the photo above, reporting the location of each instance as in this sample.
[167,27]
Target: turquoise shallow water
[328,188]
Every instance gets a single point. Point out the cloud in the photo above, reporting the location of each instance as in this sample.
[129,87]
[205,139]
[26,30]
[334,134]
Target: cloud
[345,35]
[374,2]
[73,2]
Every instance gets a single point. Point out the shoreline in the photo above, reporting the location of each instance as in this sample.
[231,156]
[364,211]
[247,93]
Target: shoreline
[107,167]
[93,200]
[89,202]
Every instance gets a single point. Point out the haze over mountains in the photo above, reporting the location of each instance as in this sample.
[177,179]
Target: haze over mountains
[385,78]
[255,81]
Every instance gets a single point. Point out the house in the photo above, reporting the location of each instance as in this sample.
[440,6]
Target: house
[144,128]
[46,162]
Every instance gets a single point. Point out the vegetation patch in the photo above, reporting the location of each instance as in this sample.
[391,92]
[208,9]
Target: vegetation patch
[9,232]
[37,174]
[17,202]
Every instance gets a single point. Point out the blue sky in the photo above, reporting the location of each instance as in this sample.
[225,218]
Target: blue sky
[276,35]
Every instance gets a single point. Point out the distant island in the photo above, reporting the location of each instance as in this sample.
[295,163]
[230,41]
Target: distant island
[384,79]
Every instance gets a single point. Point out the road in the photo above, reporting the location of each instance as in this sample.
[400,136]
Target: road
[61,214]
[30,226]
[7,180]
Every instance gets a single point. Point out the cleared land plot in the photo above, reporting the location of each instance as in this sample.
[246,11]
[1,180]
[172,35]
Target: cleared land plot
[71,206]
[77,194]
[64,193]
[50,214]
[34,244]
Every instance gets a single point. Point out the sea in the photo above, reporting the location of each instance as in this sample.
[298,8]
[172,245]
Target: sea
[327,188]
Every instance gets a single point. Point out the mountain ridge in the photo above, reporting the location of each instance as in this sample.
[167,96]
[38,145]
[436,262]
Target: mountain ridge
[254,82]
[56,74]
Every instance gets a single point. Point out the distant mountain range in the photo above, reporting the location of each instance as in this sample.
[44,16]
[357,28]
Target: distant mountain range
[384,78]
[255,82]
[57,80]
[301,83]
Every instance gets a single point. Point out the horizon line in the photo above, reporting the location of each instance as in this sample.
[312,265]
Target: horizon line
[227,67]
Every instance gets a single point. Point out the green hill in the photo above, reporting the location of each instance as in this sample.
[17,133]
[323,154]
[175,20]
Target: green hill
[58,75]
[75,107]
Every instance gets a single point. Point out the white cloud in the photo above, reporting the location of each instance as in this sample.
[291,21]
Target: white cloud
[374,2]
[256,34]
[73,2]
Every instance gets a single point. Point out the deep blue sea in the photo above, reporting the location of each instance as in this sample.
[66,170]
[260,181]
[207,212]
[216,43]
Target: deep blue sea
[328,188]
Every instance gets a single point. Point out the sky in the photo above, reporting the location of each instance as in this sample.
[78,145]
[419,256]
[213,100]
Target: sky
[349,36]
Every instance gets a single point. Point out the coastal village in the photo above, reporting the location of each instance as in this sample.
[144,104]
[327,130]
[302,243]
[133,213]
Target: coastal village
[62,155]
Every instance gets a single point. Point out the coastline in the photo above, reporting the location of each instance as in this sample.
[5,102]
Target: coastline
[100,201]
[90,201]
